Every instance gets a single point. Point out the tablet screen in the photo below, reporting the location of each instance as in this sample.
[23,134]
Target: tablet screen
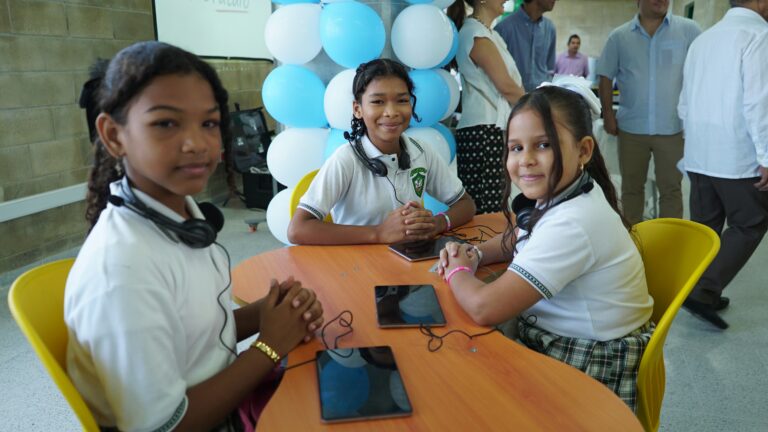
[408,306]
[422,250]
[360,383]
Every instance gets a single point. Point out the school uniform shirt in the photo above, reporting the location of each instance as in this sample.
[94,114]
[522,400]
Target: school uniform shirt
[144,319]
[353,195]
[481,102]
[583,262]
[649,73]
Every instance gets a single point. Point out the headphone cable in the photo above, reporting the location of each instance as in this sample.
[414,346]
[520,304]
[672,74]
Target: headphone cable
[343,323]
[218,298]
[438,339]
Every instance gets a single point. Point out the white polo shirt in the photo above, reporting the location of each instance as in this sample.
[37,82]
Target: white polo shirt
[353,195]
[143,319]
[588,270]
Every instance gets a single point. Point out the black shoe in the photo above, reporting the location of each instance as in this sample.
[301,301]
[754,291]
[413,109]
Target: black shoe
[722,303]
[706,312]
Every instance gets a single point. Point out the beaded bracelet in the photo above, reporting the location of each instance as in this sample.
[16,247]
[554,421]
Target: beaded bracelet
[456,270]
[267,350]
[447,221]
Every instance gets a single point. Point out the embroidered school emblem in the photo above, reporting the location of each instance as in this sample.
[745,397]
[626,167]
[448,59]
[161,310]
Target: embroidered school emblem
[417,178]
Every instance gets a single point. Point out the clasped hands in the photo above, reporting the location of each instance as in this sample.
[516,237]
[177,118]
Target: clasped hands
[455,255]
[289,314]
[410,222]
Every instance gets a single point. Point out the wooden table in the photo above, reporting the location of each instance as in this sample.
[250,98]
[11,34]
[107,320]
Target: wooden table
[487,383]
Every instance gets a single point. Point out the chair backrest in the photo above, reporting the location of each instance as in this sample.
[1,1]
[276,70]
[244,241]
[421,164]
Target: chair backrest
[299,190]
[675,253]
[36,300]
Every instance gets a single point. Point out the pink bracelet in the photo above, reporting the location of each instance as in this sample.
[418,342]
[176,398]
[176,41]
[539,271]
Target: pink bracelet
[454,271]
[447,221]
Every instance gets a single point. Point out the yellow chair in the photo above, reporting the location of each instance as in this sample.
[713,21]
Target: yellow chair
[299,190]
[675,253]
[36,300]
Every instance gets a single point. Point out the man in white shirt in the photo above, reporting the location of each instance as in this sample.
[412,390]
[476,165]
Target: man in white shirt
[724,108]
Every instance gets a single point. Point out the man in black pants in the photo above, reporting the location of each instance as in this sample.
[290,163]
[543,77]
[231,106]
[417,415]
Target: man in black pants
[724,108]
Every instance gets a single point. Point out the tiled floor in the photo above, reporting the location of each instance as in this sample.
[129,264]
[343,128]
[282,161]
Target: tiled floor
[715,380]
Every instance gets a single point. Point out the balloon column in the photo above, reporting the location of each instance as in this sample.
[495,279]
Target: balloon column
[317,47]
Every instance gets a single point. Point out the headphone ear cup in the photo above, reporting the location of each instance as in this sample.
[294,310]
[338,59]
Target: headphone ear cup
[523,207]
[377,167]
[196,233]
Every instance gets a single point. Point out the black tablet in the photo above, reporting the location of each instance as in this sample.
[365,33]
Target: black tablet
[423,249]
[408,306]
[360,384]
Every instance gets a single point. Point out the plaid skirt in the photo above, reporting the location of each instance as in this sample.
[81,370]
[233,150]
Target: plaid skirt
[614,363]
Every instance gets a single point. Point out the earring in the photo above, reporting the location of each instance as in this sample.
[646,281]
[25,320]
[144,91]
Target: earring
[119,167]
[582,167]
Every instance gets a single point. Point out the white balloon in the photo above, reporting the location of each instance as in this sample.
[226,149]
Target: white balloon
[295,152]
[453,86]
[442,4]
[422,36]
[338,100]
[278,215]
[431,137]
[292,33]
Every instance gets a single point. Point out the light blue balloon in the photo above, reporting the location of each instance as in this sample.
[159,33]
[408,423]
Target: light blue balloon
[448,135]
[454,46]
[351,33]
[335,140]
[285,2]
[419,1]
[432,97]
[433,205]
[293,95]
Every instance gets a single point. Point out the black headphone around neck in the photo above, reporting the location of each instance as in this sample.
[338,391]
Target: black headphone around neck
[195,233]
[377,167]
[523,207]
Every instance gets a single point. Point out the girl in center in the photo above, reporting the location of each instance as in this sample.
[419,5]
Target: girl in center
[575,277]
[373,188]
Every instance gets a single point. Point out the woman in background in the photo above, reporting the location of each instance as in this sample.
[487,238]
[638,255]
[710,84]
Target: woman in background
[490,85]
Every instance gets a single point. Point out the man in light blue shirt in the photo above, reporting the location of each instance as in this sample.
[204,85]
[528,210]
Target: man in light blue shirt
[530,38]
[646,56]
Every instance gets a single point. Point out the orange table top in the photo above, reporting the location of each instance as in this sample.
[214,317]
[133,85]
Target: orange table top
[486,383]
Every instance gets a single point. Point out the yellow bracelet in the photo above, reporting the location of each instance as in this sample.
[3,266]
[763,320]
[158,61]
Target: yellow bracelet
[266,349]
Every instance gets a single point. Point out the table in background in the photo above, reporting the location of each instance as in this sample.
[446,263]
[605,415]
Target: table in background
[487,383]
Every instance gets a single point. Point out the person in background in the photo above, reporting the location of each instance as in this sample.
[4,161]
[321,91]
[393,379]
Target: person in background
[531,39]
[490,85]
[645,56]
[580,299]
[572,62]
[724,108]
[374,187]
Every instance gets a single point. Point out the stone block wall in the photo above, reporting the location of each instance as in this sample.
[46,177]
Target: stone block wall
[46,48]
[705,12]
[592,20]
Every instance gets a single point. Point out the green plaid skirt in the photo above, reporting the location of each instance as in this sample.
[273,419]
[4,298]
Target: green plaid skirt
[613,363]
